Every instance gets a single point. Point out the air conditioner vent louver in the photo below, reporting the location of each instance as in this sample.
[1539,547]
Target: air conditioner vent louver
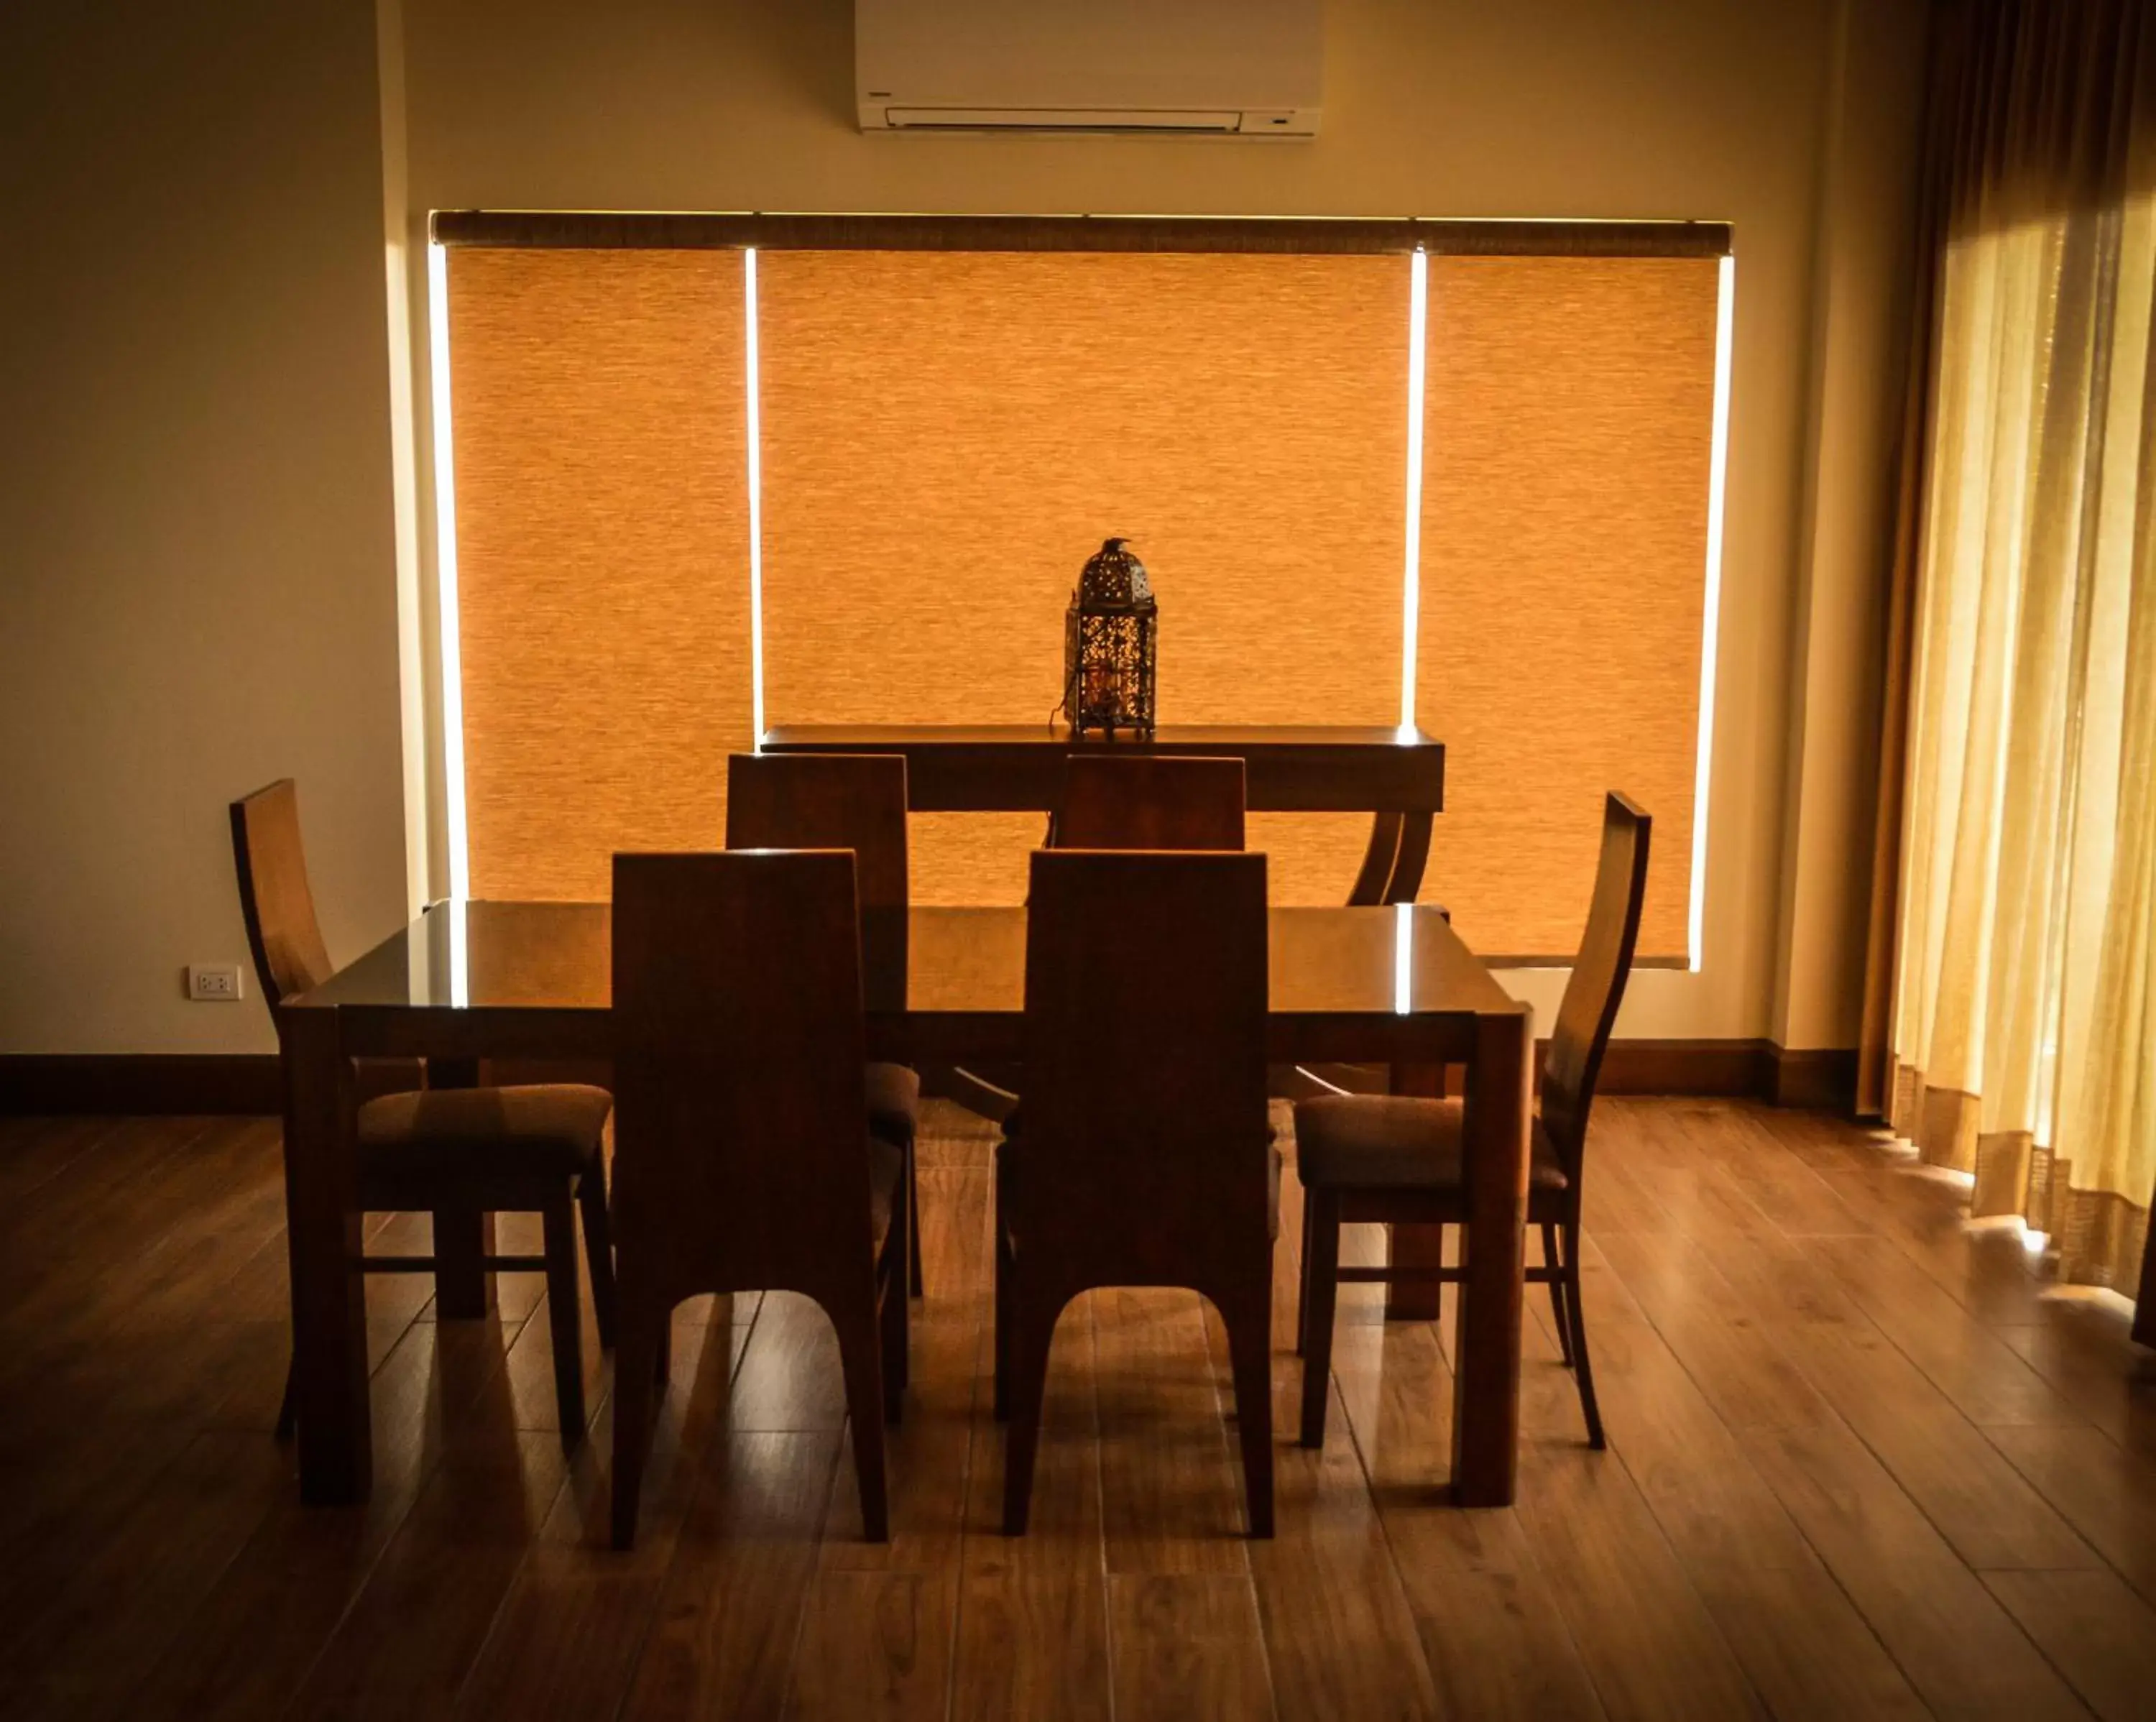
[1223,67]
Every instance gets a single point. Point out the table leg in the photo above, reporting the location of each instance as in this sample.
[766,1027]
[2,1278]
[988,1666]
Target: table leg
[1415,1246]
[1379,859]
[463,1289]
[1406,883]
[1485,1378]
[323,1234]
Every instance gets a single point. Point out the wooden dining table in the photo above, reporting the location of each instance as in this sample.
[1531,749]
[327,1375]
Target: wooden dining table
[530,981]
[1396,775]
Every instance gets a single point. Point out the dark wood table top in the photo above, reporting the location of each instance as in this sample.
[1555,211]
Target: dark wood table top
[533,978]
[1017,768]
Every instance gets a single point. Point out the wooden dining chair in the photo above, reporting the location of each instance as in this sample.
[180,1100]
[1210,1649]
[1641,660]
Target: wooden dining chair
[1150,801]
[1402,1161]
[743,1159]
[853,801]
[1147,801]
[1146,1159]
[455,1152]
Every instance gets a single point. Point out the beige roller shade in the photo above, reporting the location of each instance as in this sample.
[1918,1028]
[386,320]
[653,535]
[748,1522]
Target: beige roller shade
[948,436]
[602,498]
[1567,436]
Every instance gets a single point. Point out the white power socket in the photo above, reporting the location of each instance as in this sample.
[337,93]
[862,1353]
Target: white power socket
[213,982]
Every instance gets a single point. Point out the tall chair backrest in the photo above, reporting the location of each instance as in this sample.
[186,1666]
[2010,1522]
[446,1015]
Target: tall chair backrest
[1145,1063]
[287,940]
[853,801]
[1589,1008]
[1150,801]
[741,1118]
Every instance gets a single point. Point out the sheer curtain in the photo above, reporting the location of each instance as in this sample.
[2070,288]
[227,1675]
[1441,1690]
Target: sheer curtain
[2022,1030]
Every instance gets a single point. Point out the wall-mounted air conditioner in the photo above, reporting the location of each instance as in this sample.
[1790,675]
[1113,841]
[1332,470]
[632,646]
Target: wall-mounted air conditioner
[1234,68]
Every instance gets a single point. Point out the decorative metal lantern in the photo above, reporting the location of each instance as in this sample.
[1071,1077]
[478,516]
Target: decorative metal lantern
[1108,643]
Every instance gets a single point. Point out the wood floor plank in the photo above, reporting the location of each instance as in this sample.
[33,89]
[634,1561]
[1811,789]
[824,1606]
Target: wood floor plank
[1033,1625]
[1960,1650]
[1968,1361]
[2107,1492]
[729,1618]
[566,1640]
[1171,1487]
[876,1643]
[1832,1399]
[406,1646]
[1984,1507]
[2096,1632]
[1187,1645]
[1751,1386]
[1339,1633]
[789,1381]
[2085,1354]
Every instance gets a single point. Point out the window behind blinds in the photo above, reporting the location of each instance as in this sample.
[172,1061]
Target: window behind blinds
[1567,436]
[602,533]
[947,437]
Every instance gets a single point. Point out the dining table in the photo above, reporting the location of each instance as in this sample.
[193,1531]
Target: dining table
[1394,772]
[530,982]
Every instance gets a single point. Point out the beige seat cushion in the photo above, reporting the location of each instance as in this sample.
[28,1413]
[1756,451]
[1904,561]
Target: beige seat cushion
[1396,1142]
[537,1129]
[894,1103]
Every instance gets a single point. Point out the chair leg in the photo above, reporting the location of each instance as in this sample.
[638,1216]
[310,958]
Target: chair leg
[859,1359]
[598,1249]
[1578,1316]
[1249,1324]
[642,1327]
[1552,1261]
[1302,1281]
[914,1284]
[564,1317]
[1321,1281]
[892,1318]
[1032,1332]
[1001,1250]
[288,1408]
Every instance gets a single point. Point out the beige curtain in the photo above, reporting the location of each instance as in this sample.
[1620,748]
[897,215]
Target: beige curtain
[2023,1029]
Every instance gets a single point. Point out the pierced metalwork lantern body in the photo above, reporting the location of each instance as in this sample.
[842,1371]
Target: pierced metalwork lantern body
[1110,635]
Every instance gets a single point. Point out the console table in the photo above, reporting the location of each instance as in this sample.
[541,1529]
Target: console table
[1395,775]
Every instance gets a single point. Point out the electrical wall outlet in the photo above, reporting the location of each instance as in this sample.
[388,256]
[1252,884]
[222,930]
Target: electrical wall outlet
[213,982]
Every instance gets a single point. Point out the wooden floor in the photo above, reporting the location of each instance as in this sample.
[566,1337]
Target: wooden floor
[1863,1462]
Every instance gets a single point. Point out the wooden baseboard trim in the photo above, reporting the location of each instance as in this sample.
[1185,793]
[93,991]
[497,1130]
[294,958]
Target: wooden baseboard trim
[247,1082]
[140,1083]
[1691,1068]
[1820,1078]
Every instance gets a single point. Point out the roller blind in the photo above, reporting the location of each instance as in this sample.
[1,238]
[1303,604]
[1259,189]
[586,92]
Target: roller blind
[1567,437]
[948,436]
[601,537]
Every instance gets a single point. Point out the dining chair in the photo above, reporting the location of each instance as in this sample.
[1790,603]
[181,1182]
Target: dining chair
[1149,801]
[853,801]
[455,1152]
[743,1159]
[1146,1158]
[1402,1161]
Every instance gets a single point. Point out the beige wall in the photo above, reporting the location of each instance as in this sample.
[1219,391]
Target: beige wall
[196,550]
[198,504]
[1711,109]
